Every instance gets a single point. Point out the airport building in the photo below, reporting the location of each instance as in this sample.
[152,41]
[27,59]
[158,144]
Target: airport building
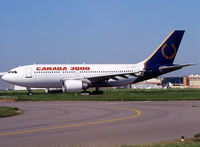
[192,81]
[148,84]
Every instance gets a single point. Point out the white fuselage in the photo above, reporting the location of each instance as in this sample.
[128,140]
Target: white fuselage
[52,75]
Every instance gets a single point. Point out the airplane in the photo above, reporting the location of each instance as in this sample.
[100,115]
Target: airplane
[71,78]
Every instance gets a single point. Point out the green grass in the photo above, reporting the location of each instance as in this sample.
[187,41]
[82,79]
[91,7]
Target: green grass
[192,142]
[197,135]
[110,95]
[172,144]
[184,144]
[6,111]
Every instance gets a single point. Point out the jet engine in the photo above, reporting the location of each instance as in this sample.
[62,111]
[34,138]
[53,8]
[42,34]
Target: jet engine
[73,86]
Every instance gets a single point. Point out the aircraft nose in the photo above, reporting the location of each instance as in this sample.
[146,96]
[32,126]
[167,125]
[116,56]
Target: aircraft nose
[10,78]
[5,77]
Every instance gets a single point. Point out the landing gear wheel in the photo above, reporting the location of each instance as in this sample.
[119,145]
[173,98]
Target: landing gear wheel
[97,92]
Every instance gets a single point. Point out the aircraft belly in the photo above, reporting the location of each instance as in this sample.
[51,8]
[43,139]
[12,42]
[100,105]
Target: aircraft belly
[47,85]
[42,82]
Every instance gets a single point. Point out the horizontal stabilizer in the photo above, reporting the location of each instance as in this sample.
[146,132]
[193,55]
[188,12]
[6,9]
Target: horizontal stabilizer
[173,67]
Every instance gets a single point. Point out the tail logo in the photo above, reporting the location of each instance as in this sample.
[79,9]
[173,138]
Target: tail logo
[172,55]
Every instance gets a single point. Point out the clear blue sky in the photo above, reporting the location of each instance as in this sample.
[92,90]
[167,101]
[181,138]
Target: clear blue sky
[95,31]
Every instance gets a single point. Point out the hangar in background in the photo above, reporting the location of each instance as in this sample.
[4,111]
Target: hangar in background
[192,81]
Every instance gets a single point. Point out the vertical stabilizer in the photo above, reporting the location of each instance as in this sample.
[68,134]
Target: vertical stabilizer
[166,52]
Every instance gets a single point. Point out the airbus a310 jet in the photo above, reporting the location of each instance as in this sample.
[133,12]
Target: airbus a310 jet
[80,77]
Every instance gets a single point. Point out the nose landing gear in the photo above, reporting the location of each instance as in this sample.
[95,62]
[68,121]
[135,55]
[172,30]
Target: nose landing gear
[29,91]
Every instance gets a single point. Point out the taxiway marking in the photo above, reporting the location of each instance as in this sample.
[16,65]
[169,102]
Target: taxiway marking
[138,113]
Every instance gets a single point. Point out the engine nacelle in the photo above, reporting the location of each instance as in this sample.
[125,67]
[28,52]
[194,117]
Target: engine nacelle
[73,86]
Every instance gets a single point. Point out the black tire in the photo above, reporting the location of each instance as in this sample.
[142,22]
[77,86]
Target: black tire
[97,92]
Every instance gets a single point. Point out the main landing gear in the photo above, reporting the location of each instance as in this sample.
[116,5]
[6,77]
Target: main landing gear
[97,91]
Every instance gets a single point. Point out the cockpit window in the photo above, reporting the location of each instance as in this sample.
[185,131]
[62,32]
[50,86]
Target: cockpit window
[12,72]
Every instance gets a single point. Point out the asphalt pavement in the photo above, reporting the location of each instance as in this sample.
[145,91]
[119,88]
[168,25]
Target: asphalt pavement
[98,123]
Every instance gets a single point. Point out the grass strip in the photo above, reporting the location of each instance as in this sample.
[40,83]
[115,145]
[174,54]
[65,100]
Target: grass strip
[109,95]
[192,142]
[6,111]
[180,144]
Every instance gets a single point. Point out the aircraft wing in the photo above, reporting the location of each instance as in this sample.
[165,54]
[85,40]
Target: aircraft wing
[100,78]
[97,78]
[173,67]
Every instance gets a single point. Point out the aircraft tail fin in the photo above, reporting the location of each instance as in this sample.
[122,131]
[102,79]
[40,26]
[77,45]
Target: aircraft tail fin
[166,52]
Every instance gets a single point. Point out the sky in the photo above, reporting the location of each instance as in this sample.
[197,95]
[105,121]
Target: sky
[96,31]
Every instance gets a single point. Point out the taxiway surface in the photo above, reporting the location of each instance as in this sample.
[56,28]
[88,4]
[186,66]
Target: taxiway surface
[98,123]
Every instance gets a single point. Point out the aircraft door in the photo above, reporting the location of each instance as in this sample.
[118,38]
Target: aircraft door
[77,73]
[28,73]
